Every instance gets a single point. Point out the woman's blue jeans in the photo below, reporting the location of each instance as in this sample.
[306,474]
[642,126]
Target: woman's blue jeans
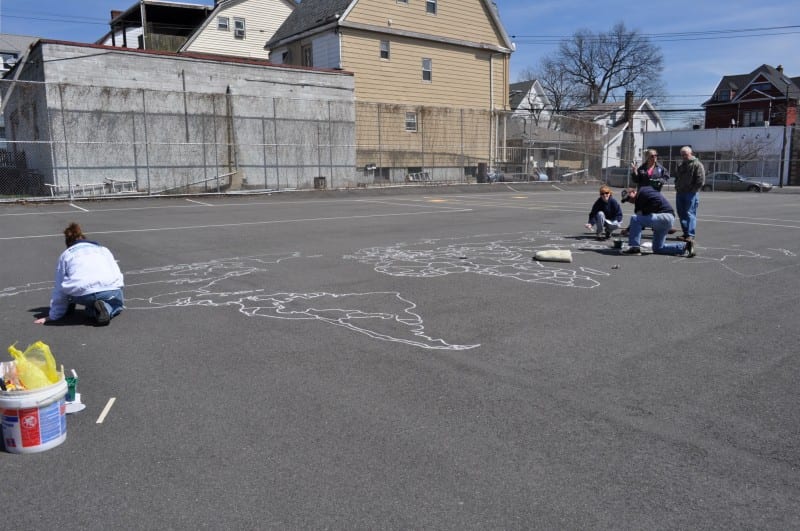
[113,299]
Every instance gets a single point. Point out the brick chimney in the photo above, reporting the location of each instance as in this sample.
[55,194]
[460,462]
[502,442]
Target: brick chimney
[115,13]
[780,69]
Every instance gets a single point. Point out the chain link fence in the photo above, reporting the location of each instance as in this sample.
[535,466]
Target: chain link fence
[65,141]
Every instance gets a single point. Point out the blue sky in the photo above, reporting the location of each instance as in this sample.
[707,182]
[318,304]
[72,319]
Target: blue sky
[701,41]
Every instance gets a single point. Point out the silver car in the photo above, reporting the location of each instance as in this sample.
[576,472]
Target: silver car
[726,181]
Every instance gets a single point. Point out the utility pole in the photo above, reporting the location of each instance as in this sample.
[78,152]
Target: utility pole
[785,132]
[627,134]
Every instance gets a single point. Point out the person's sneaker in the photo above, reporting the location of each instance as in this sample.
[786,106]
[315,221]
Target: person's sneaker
[101,313]
[608,234]
[672,231]
[600,237]
[633,251]
[690,251]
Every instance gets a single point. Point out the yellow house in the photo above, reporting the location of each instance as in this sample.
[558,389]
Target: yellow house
[431,78]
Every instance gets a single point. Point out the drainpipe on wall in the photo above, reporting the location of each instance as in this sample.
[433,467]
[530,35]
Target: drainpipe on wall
[143,15]
[493,125]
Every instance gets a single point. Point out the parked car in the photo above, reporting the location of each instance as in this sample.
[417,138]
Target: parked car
[725,181]
[496,177]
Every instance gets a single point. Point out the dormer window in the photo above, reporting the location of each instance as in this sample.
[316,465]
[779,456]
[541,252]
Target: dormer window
[762,86]
[724,95]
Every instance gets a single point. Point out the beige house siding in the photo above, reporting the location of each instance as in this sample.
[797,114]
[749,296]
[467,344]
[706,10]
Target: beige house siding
[262,19]
[459,112]
[446,137]
[460,76]
[461,20]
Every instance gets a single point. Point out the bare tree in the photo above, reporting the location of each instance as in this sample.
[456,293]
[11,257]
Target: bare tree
[600,67]
[559,88]
[748,149]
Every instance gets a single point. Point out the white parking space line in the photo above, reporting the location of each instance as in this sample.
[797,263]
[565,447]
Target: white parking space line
[73,205]
[251,223]
[199,202]
[106,409]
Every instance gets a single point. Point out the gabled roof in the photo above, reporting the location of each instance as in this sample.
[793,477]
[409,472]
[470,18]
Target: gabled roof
[600,111]
[518,93]
[739,83]
[220,5]
[313,16]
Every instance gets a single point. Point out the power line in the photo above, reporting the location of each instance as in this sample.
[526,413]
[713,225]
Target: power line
[675,36]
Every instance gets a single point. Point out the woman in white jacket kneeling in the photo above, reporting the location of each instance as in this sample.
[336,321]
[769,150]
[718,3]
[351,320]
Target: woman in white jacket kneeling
[86,274]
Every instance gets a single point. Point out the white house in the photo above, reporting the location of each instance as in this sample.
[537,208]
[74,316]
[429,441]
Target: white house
[611,118]
[529,104]
[240,27]
[237,28]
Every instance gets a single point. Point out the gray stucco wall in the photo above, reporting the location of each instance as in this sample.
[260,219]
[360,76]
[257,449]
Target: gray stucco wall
[91,113]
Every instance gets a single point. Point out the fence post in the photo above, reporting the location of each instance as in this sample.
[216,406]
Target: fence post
[275,141]
[146,144]
[66,143]
[330,143]
[380,142]
[264,149]
[463,176]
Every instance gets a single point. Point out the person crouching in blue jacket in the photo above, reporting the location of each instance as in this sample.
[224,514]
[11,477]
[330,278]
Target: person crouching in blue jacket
[606,214]
[652,210]
[86,274]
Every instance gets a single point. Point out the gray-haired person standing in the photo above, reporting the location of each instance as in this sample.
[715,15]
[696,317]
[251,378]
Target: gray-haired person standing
[689,180]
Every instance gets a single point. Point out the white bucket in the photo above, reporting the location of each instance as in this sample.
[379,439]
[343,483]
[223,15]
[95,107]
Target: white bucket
[34,421]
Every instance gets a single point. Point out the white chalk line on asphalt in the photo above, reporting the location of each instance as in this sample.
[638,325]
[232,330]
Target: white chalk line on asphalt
[237,205]
[106,409]
[199,202]
[73,205]
[252,223]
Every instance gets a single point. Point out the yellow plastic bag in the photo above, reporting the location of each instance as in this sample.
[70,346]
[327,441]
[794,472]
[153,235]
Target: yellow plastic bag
[36,367]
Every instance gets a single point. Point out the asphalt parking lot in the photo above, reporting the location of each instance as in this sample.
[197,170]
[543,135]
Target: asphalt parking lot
[396,360]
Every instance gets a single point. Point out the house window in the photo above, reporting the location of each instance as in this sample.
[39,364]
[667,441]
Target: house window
[286,58]
[753,118]
[427,70]
[223,23]
[404,2]
[306,55]
[384,49]
[430,7]
[411,122]
[238,28]
[724,95]
[762,86]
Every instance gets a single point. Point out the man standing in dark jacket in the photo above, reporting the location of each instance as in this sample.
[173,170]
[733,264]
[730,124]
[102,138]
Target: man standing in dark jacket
[689,180]
[653,210]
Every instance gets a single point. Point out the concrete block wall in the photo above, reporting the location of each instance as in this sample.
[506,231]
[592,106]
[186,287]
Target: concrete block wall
[169,121]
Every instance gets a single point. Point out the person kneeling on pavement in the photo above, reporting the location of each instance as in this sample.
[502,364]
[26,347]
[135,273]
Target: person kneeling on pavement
[86,274]
[652,210]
